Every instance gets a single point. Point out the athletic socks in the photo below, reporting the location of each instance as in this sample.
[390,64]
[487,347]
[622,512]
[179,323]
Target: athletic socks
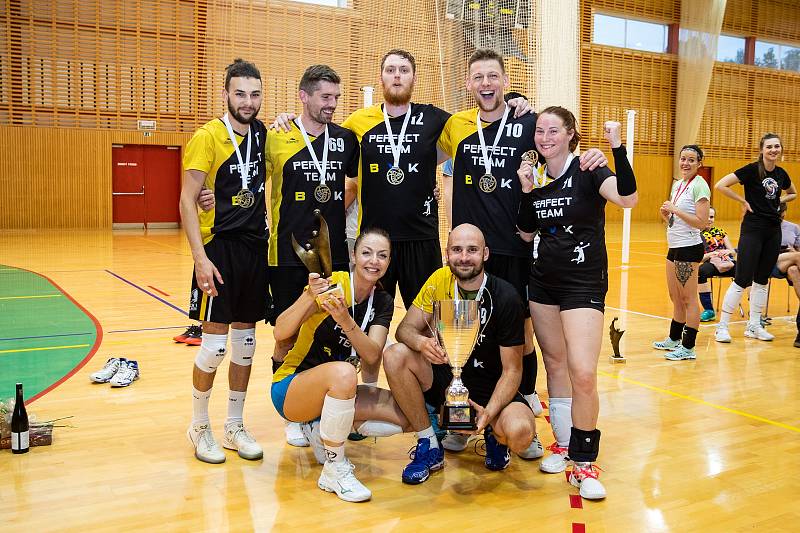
[705,301]
[200,406]
[236,405]
[689,337]
[676,330]
[430,435]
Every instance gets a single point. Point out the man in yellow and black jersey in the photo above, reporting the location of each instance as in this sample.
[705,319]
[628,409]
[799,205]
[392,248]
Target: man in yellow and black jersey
[229,247]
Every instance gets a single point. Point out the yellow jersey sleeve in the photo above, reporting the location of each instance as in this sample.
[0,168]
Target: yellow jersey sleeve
[439,286]
[200,152]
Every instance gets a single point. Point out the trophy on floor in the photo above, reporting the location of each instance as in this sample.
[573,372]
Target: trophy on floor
[615,335]
[457,324]
[316,256]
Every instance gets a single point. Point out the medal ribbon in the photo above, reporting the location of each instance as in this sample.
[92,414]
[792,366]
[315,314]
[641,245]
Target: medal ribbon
[487,163]
[366,315]
[480,290]
[396,147]
[681,191]
[570,157]
[244,166]
[321,166]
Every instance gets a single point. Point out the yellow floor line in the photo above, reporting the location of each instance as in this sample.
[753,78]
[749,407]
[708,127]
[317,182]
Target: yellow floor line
[701,402]
[46,348]
[28,297]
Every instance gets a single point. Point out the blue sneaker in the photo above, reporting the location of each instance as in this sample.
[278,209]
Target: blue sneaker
[424,460]
[497,456]
[707,315]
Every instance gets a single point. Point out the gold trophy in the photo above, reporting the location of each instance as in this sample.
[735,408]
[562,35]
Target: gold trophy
[457,324]
[316,256]
[615,336]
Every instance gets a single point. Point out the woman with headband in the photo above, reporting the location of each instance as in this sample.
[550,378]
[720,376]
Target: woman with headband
[686,215]
[760,237]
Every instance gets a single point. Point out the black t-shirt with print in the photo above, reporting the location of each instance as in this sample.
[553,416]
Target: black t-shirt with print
[763,195]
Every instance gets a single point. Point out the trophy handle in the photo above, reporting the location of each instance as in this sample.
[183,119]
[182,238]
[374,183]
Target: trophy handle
[322,244]
[309,258]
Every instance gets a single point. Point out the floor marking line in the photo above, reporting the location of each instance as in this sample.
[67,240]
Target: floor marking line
[163,301]
[145,329]
[46,348]
[701,402]
[158,291]
[29,297]
[46,336]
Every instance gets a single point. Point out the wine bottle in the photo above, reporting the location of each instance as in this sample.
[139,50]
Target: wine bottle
[20,430]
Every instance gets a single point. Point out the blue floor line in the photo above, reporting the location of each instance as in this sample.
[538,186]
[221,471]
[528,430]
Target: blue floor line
[163,301]
[145,329]
[45,336]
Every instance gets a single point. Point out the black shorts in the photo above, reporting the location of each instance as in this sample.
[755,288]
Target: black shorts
[244,296]
[286,285]
[567,297]
[443,375]
[687,254]
[412,264]
[516,271]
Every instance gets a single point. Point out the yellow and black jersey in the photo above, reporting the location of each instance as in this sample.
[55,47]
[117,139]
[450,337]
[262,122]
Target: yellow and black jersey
[320,338]
[501,325]
[295,179]
[405,207]
[490,205]
[210,150]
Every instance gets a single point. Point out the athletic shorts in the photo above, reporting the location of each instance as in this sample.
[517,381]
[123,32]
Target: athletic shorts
[287,284]
[687,254]
[278,393]
[443,375]
[244,295]
[516,271]
[412,264]
[567,297]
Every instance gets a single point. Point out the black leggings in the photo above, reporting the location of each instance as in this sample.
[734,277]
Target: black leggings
[758,252]
[707,270]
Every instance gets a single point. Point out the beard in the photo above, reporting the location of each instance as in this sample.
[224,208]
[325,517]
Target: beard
[400,96]
[484,106]
[472,273]
[319,117]
[239,118]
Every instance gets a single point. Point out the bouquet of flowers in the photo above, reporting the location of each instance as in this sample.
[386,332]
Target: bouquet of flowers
[41,433]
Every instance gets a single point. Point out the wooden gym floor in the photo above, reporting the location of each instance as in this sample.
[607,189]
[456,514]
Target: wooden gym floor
[707,445]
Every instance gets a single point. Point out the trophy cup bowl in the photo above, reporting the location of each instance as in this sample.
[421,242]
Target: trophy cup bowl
[457,325]
[316,256]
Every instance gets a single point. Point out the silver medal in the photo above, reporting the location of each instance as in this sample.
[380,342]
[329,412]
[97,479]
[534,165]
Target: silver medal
[395,176]
[245,198]
[487,183]
[322,193]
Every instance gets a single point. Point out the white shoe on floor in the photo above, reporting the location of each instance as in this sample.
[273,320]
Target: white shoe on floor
[584,476]
[666,344]
[338,477]
[128,373]
[455,442]
[722,334]
[534,451]
[239,439]
[312,436]
[294,435]
[758,332]
[205,445]
[105,374]
[557,462]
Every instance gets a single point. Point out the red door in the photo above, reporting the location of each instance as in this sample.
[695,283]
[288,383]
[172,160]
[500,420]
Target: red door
[127,180]
[707,174]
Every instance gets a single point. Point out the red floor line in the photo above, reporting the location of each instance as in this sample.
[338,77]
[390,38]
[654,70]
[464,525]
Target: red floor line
[575,501]
[547,417]
[158,291]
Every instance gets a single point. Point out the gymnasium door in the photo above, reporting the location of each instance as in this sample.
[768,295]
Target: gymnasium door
[146,185]
[707,173]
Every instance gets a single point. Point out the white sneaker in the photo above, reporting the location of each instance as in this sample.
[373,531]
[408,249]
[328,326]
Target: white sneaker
[666,344]
[681,353]
[239,439]
[722,334]
[557,462]
[455,442]
[294,435]
[536,405]
[758,332]
[128,373]
[105,374]
[338,477]
[312,436]
[534,451]
[205,445]
[584,476]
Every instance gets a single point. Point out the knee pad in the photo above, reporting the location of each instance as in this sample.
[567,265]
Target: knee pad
[378,428]
[561,419]
[336,419]
[212,352]
[243,346]
[732,298]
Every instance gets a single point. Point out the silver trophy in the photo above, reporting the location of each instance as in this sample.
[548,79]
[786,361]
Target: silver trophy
[457,325]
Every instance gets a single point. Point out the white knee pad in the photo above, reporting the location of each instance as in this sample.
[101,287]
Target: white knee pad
[561,419]
[732,298]
[336,419]
[243,346]
[378,428]
[212,352]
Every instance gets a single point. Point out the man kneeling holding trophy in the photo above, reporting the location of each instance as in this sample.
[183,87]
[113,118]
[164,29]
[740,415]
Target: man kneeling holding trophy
[466,317]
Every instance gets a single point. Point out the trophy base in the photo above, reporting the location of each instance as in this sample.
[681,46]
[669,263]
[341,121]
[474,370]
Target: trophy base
[334,291]
[614,360]
[457,417]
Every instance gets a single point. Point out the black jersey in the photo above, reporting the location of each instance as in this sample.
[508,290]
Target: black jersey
[570,216]
[763,195]
[501,325]
[491,206]
[405,207]
[321,339]
[294,196]
[210,151]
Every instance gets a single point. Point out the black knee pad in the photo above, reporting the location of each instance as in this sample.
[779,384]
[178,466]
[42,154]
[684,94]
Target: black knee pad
[584,445]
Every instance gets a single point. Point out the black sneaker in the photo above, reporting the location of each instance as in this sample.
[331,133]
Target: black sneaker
[194,335]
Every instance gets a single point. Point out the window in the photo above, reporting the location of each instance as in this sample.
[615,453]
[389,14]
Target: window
[730,49]
[630,33]
[775,55]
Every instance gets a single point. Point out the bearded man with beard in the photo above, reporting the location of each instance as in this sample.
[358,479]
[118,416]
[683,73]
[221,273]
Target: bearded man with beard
[229,247]
[418,371]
